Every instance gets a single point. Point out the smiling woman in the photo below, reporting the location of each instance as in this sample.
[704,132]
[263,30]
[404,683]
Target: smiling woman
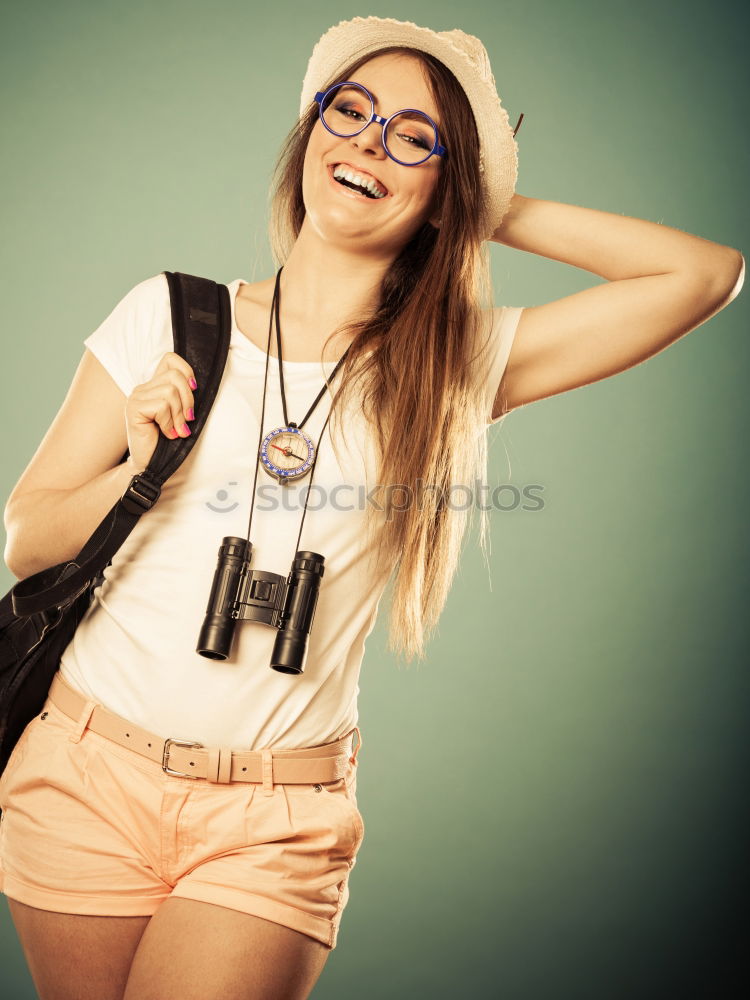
[240,835]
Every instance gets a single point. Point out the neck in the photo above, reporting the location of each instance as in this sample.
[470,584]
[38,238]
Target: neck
[330,284]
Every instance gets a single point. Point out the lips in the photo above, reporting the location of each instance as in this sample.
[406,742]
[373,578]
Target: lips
[358,170]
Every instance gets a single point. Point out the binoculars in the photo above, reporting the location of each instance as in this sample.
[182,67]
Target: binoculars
[239,593]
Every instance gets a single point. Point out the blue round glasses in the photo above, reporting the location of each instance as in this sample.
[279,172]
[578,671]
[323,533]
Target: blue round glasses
[409,137]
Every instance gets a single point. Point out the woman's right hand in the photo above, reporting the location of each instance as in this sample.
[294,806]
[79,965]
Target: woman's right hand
[163,403]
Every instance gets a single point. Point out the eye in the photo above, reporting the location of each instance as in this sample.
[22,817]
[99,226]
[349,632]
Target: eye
[349,112]
[415,141]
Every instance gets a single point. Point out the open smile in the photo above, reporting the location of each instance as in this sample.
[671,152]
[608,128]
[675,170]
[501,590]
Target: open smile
[352,191]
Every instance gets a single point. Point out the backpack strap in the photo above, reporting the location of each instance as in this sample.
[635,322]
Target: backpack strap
[201,329]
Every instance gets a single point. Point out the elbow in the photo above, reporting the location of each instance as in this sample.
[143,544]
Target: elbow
[739,277]
[10,555]
[10,562]
[727,279]
[7,553]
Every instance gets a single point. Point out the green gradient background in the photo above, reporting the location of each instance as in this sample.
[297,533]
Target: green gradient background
[554,801]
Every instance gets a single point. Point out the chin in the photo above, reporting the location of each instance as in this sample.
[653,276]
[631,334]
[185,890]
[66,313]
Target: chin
[338,225]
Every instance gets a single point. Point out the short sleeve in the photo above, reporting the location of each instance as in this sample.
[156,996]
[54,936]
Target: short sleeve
[503,333]
[137,333]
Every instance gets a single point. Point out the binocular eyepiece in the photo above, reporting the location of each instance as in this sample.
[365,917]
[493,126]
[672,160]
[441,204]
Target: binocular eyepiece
[239,593]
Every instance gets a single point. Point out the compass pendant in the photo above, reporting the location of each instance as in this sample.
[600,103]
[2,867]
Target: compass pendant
[287,453]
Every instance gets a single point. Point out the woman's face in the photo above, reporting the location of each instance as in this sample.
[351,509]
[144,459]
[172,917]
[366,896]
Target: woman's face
[340,215]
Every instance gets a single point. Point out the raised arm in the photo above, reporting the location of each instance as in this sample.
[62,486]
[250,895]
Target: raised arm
[661,284]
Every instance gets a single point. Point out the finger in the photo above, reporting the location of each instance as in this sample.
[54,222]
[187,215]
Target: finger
[172,385]
[174,362]
[160,404]
[177,381]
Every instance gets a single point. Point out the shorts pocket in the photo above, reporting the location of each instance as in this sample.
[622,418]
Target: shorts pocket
[351,791]
[329,809]
[346,789]
[17,756]
[44,736]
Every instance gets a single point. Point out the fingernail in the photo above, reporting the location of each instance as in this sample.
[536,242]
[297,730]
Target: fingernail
[190,414]
[186,429]
[192,383]
[173,433]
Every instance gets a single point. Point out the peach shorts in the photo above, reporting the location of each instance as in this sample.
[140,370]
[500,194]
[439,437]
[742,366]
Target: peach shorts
[89,826]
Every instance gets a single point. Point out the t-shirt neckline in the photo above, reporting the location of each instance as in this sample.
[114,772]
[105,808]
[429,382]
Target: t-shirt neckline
[246,347]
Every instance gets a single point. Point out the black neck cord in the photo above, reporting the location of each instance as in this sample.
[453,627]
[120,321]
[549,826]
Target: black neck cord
[277,304]
[275,309]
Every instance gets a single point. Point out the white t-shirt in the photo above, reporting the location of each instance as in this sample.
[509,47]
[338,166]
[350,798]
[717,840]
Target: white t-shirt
[135,649]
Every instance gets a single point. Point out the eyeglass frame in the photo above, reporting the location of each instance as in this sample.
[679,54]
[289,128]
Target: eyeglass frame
[437,149]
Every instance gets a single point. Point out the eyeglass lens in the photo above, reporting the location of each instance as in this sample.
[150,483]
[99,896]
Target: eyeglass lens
[409,136]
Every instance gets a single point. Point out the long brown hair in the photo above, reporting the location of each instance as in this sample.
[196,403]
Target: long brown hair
[418,362]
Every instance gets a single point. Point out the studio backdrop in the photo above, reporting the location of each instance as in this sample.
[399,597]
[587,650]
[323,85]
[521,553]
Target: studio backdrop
[555,798]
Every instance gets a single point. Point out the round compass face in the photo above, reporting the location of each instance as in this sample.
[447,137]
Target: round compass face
[287,453]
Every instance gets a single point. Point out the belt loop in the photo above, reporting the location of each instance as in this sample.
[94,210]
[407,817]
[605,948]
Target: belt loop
[83,721]
[353,757]
[225,765]
[267,766]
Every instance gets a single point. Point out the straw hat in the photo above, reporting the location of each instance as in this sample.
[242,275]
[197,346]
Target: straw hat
[465,57]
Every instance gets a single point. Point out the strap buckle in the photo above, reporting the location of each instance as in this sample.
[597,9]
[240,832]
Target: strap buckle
[141,495]
[165,757]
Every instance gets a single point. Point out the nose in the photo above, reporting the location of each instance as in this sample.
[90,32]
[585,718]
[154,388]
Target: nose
[371,138]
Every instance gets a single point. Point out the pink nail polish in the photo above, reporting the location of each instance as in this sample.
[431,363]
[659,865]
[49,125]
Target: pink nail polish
[190,414]
[186,429]
[192,383]
[173,433]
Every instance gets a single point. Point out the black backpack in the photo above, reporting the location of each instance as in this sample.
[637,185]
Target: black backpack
[40,614]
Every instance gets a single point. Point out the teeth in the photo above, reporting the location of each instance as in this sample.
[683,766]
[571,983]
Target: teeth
[354,178]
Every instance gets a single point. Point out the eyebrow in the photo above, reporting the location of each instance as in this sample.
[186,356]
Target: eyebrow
[374,95]
[375,98]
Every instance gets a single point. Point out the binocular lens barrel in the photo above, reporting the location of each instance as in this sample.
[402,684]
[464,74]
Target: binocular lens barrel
[215,640]
[290,648]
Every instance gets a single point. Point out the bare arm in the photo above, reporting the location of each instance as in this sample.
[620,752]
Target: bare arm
[661,283]
[47,527]
[77,473]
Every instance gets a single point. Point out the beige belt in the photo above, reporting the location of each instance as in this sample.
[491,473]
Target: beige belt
[189,759]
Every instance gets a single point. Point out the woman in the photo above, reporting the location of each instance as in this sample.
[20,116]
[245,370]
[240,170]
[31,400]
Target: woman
[131,879]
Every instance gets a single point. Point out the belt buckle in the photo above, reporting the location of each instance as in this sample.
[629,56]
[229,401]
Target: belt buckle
[165,757]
